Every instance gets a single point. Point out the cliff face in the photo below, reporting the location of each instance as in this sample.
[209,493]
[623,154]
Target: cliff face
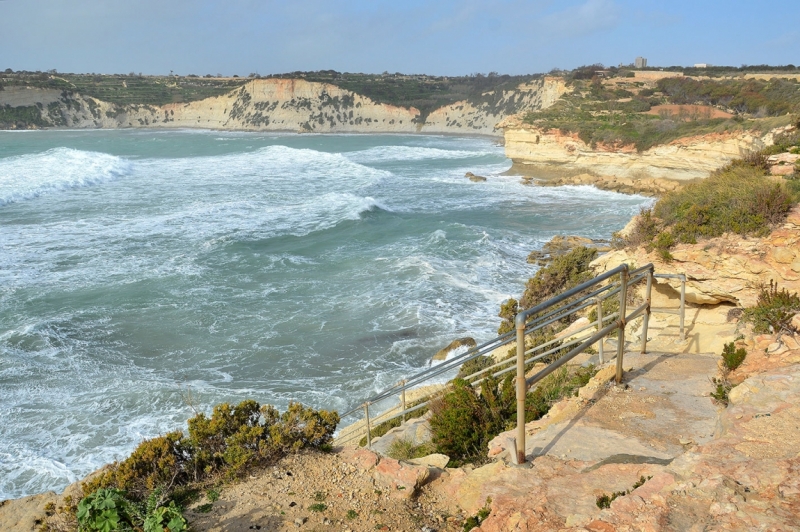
[551,154]
[287,105]
[726,269]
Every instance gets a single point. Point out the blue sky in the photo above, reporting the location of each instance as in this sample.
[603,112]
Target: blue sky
[411,36]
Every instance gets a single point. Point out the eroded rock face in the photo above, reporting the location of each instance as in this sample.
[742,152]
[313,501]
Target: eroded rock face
[729,268]
[289,105]
[551,154]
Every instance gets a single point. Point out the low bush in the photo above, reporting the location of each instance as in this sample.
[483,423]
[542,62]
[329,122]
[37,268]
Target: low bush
[107,510]
[732,358]
[475,365]
[464,420]
[739,199]
[165,469]
[563,273]
[774,310]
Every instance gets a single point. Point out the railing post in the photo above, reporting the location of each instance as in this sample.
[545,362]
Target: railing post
[403,397]
[522,388]
[623,297]
[683,305]
[646,317]
[369,433]
[600,353]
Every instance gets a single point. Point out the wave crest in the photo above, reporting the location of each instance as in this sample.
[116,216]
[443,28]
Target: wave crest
[27,177]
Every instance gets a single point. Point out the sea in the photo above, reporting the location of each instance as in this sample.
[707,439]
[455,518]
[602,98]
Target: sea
[146,275]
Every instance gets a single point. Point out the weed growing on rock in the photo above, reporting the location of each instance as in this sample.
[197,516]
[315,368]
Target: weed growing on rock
[477,519]
[722,388]
[732,357]
[774,310]
[605,500]
[404,449]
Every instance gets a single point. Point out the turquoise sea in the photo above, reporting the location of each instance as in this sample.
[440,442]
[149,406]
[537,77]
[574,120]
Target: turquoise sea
[147,274]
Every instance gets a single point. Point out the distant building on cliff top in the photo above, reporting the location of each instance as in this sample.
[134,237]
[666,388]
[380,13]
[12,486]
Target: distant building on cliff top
[701,65]
[641,62]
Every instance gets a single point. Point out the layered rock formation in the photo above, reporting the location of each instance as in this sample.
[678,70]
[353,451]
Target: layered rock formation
[553,155]
[729,268]
[288,105]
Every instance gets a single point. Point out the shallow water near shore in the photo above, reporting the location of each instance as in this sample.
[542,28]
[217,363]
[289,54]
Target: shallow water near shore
[148,274]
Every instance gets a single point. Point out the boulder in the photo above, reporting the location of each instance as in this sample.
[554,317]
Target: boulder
[455,344]
[432,460]
[416,431]
[402,478]
[474,178]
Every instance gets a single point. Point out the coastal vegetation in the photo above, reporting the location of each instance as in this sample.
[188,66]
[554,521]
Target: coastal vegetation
[465,419]
[147,490]
[774,310]
[615,113]
[740,198]
[121,89]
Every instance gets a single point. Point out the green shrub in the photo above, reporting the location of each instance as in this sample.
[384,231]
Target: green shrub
[732,357]
[738,199]
[508,312]
[459,421]
[464,421]
[105,510]
[475,365]
[230,441]
[774,309]
[563,273]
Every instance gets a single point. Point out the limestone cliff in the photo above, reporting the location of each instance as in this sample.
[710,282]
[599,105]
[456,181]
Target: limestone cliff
[286,105]
[553,155]
[729,268]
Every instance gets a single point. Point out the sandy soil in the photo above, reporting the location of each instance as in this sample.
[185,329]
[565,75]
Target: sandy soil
[282,498]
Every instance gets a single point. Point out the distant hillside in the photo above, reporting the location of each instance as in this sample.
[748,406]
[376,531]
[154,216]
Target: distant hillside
[324,101]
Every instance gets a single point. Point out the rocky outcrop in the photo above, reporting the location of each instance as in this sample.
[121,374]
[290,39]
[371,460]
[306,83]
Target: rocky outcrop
[466,341]
[287,105]
[550,154]
[561,245]
[645,186]
[729,268]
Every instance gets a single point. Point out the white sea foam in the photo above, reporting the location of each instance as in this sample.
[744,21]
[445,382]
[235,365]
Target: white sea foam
[29,176]
[275,273]
[411,153]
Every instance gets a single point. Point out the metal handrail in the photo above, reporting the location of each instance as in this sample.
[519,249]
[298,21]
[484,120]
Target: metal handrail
[527,322]
[682,309]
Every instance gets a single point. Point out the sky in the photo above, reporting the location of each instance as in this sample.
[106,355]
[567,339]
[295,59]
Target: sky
[446,37]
